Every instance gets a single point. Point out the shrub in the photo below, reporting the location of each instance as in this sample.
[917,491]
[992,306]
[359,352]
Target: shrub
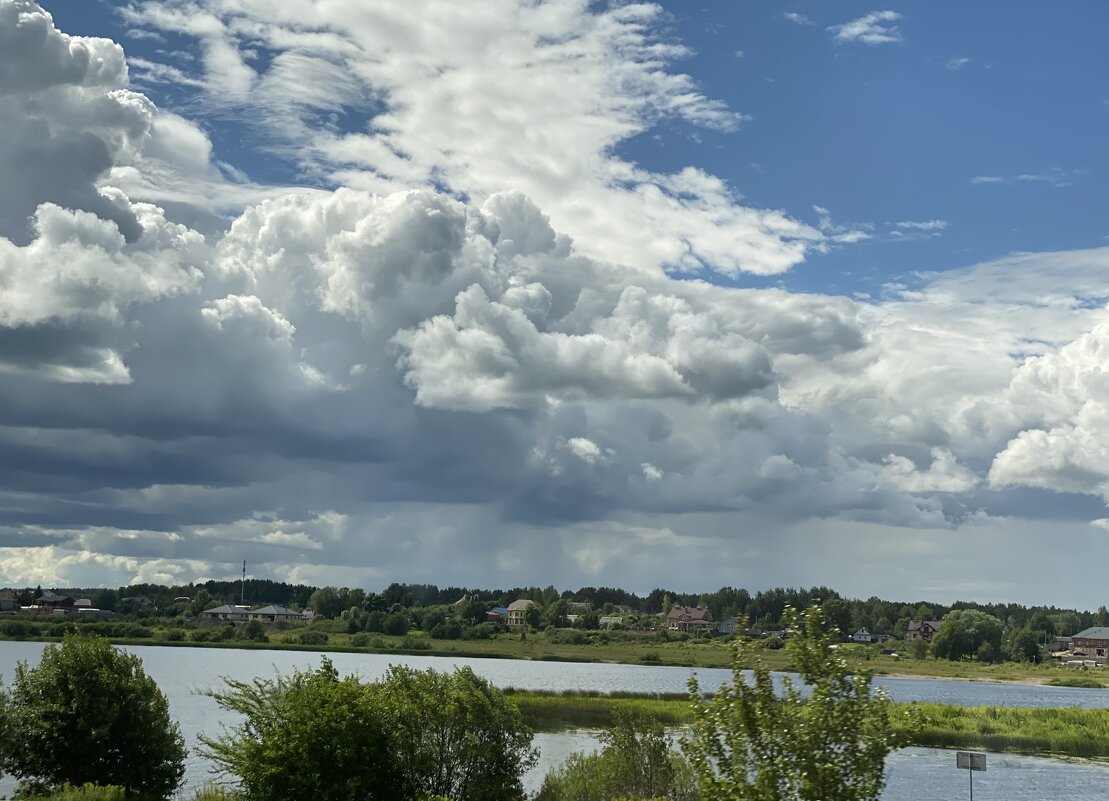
[360,640]
[395,624]
[311,735]
[201,635]
[71,718]
[253,631]
[312,637]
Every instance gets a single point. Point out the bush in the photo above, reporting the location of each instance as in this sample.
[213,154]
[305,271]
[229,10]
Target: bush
[175,635]
[482,631]
[311,735]
[447,631]
[414,644]
[636,761]
[201,635]
[86,792]
[360,640]
[253,631]
[395,624]
[311,637]
[71,718]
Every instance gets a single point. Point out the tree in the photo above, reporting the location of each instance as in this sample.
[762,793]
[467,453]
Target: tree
[395,624]
[1023,645]
[326,602]
[457,736]
[308,735]
[968,633]
[635,761]
[89,713]
[533,615]
[750,742]
[837,614]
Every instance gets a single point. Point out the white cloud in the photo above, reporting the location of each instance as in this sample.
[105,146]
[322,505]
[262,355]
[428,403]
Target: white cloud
[922,225]
[957,63]
[798,19]
[1056,176]
[871,29]
[543,111]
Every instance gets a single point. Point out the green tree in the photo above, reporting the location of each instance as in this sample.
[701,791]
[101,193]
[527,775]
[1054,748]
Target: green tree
[533,615]
[457,735]
[750,742]
[326,602]
[635,761]
[1023,645]
[395,624]
[89,713]
[309,735]
[968,633]
[837,614]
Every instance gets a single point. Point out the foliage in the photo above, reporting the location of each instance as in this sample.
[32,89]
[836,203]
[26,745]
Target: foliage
[968,633]
[395,624]
[1023,645]
[308,735]
[69,792]
[635,761]
[460,737]
[826,742]
[312,637]
[89,713]
[412,735]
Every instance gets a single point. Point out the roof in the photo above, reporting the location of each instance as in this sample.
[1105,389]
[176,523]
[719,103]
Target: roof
[694,613]
[500,610]
[7,595]
[1094,633]
[275,609]
[914,625]
[226,609]
[520,605]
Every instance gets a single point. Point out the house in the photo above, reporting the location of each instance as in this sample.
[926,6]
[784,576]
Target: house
[51,604]
[727,626]
[517,613]
[608,621]
[1093,641]
[233,614]
[624,609]
[863,635]
[498,614]
[922,630]
[8,601]
[689,618]
[275,613]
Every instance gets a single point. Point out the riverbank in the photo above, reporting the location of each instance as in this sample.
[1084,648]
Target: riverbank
[647,649]
[1077,733]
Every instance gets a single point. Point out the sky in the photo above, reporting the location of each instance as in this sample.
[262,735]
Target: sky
[514,293]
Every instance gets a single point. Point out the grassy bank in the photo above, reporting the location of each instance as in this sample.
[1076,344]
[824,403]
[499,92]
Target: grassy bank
[625,648]
[1043,732]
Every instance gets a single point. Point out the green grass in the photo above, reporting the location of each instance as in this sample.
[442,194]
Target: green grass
[1044,732]
[1076,681]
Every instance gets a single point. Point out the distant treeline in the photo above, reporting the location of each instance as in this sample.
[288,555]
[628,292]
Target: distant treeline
[763,609]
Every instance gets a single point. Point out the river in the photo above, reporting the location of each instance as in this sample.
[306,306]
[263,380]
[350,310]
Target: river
[915,774]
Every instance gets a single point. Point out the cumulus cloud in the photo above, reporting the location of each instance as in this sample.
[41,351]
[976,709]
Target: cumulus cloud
[525,96]
[360,386]
[872,29]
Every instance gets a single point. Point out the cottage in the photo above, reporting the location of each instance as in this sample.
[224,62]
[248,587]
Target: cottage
[228,612]
[689,618]
[51,604]
[8,601]
[727,626]
[498,614]
[275,613]
[922,630]
[517,613]
[863,635]
[608,621]
[1093,641]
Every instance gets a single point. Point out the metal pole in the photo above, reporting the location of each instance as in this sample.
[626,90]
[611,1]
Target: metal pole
[971,772]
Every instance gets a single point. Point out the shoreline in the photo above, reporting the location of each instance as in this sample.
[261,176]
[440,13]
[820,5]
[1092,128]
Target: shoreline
[712,657]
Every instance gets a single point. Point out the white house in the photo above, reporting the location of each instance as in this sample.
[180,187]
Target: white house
[864,636]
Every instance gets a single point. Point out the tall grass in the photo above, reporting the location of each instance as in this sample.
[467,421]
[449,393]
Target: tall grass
[1049,732]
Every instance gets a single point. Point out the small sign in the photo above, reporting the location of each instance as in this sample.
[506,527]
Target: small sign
[970,760]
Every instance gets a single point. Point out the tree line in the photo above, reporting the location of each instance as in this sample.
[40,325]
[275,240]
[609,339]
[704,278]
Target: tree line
[763,609]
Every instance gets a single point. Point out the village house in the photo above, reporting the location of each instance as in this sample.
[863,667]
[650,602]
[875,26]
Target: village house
[863,635]
[922,630]
[1093,641]
[498,614]
[727,626]
[228,612]
[689,618]
[8,601]
[517,613]
[275,613]
[51,604]
[272,613]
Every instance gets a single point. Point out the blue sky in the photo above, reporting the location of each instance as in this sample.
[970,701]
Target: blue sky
[565,292]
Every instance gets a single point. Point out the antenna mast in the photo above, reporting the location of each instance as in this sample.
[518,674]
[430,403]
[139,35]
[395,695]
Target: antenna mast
[242,598]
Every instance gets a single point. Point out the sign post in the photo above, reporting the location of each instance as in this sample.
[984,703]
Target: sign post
[970,761]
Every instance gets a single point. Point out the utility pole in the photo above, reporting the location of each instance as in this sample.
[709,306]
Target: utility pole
[242,597]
